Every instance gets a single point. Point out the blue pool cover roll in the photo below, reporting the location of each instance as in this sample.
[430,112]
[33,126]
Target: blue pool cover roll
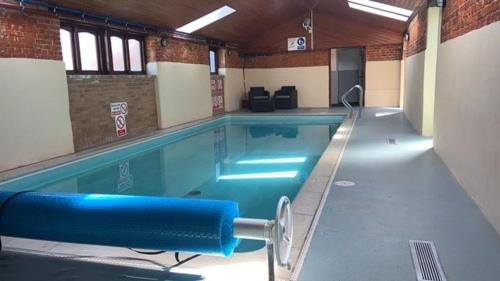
[155,223]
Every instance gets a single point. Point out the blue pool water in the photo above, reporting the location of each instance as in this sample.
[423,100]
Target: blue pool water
[251,160]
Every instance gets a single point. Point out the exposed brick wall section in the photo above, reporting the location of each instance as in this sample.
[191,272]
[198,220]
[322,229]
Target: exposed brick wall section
[384,52]
[230,59]
[418,34]
[176,51]
[24,35]
[90,98]
[463,16]
[290,59]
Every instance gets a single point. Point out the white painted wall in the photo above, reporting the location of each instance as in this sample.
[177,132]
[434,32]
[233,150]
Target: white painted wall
[312,82]
[234,89]
[34,112]
[467,115]
[414,87]
[183,92]
[383,83]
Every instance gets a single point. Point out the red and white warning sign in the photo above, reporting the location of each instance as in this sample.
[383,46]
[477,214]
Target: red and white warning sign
[121,126]
[119,111]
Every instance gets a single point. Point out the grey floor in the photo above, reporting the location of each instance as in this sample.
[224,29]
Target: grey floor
[403,192]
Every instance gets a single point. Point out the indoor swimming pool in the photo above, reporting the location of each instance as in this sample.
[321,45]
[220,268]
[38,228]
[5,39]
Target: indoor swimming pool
[252,160]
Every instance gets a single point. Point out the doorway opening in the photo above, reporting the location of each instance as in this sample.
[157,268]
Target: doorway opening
[347,69]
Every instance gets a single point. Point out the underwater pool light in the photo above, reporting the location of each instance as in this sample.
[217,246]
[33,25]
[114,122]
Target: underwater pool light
[270,175]
[274,160]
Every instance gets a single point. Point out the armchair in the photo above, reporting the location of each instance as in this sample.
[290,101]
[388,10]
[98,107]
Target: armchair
[286,97]
[260,100]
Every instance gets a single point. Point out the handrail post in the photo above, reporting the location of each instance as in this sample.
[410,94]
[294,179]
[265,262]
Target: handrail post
[348,105]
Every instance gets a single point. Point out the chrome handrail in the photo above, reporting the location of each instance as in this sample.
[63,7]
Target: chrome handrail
[348,105]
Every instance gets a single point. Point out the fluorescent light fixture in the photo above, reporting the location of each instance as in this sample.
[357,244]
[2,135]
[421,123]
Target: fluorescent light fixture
[380,9]
[207,19]
[271,175]
[274,161]
[383,7]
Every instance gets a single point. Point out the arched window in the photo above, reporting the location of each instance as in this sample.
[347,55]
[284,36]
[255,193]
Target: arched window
[117,53]
[87,43]
[135,55]
[67,49]
[93,49]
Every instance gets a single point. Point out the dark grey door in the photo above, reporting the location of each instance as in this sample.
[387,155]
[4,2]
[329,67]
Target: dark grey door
[346,72]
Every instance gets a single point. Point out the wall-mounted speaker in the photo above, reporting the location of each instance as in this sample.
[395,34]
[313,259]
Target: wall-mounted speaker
[164,41]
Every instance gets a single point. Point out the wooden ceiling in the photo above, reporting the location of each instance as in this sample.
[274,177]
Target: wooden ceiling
[334,20]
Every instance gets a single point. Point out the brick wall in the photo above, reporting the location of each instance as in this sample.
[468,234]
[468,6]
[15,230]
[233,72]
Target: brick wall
[176,51]
[418,34]
[90,98]
[290,59]
[25,35]
[230,59]
[384,52]
[463,16]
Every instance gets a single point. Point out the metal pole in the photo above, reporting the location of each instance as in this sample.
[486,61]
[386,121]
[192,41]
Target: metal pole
[270,260]
[312,29]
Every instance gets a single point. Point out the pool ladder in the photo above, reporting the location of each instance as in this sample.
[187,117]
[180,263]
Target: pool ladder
[348,105]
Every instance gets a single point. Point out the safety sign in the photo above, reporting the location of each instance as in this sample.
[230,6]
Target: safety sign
[119,108]
[297,44]
[119,111]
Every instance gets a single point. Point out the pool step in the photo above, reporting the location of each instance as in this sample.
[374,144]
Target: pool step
[426,261]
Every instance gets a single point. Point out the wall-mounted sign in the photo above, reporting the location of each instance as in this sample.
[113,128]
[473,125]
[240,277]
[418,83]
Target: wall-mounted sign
[121,126]
[119,111]
[297,44]
[119,108]
[217,87]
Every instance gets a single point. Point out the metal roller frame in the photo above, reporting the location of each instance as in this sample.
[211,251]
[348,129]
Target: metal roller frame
[277,233]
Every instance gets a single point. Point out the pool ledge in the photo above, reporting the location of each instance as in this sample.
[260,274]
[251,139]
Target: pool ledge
[309,202]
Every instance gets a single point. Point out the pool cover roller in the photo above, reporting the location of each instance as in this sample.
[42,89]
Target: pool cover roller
[155,223]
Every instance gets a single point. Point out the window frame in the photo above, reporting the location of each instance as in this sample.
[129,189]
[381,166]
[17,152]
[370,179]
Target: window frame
[111,69]
[142,53]
[72,43]
[78,56]
[216,60]
[104,51]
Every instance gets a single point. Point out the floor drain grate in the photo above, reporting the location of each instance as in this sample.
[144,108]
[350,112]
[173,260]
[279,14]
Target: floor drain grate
[426,261]
[344,183]
[392,141]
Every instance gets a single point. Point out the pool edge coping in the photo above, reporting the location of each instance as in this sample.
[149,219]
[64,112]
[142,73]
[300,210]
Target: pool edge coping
[340,143]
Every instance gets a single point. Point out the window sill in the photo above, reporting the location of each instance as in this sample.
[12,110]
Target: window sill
[109,76]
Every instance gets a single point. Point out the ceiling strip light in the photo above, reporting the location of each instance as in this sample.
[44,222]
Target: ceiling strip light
[383,7]
[378,12]
[206,19]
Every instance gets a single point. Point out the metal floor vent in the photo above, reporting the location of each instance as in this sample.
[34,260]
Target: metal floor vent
[426,261]
[392,141]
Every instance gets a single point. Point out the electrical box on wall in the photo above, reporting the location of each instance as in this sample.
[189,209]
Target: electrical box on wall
[437,3]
